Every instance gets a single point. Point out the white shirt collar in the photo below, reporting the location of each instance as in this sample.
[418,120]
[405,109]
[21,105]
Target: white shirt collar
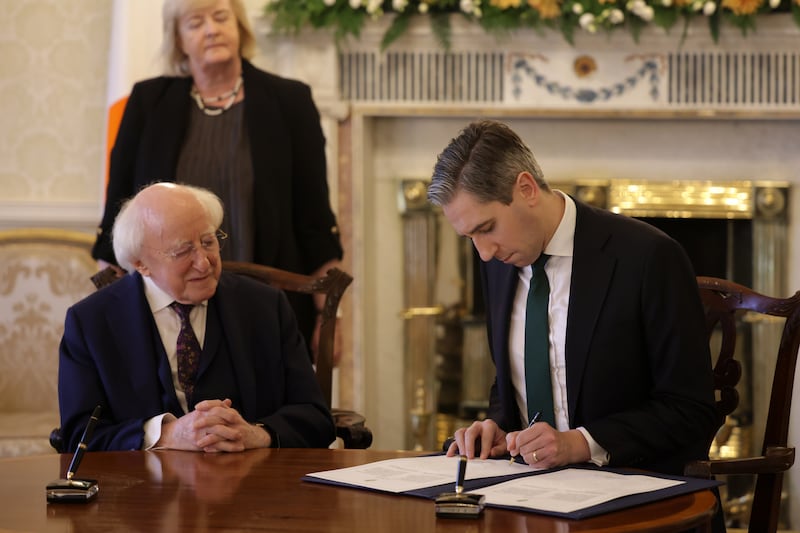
[158,299]
[563,241]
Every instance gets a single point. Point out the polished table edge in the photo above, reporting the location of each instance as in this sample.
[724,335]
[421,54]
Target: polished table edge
[118,471]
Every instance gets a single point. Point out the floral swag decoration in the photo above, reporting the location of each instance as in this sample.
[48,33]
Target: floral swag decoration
[348,17]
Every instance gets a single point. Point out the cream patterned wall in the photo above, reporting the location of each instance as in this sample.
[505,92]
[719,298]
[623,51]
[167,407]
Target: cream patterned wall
[53,64]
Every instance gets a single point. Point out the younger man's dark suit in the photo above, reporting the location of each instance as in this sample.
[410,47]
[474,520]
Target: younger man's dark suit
[638,367]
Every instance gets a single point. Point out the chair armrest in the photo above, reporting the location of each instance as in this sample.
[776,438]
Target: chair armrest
[351,429]
[57,441]
[104,277]
[776,459]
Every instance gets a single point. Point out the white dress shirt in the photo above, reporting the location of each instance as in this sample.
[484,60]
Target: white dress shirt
[559,273]
[169,326]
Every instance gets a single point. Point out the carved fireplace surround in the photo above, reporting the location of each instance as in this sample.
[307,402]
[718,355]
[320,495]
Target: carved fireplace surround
[652,114]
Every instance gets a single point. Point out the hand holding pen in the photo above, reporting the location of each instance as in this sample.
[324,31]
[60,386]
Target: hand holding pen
[534,418]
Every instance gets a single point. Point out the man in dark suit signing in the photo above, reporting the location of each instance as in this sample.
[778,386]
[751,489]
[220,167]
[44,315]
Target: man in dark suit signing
[227,373]
[626,357]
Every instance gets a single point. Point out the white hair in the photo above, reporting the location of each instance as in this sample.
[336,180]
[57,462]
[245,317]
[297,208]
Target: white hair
[131,224]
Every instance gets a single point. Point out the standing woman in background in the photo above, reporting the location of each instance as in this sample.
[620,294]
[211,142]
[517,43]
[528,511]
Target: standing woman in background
[216,121]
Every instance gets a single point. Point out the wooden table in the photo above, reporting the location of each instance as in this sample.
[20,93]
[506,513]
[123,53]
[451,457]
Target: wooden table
[261,490]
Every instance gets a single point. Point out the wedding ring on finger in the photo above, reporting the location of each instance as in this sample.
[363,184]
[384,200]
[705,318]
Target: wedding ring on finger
[535,458]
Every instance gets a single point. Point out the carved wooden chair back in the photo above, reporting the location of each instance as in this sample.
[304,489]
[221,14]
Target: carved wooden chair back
[350,426]
[724,301]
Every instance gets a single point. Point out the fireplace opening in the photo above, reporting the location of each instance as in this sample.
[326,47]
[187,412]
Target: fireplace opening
[717,248]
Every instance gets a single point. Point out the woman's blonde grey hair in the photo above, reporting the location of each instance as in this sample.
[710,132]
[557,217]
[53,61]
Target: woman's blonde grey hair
[176,63]
[132,224]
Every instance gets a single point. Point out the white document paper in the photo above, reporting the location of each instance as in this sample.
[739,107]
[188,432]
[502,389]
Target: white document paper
[410,473]
[570,490]
[562,491]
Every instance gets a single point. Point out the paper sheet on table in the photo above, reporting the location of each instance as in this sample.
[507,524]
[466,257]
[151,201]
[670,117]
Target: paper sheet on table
[410,473]
[569,490]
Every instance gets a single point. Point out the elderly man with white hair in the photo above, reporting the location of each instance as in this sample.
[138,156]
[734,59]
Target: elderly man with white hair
[179,354]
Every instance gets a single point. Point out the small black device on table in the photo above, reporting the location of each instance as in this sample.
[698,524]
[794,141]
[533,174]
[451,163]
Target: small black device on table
[459,504]
[71,489]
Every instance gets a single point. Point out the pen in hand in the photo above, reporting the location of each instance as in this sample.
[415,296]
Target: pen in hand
[87,434]
[534,418]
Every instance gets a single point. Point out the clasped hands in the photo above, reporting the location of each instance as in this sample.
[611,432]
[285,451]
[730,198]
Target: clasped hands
[540,445]
[213,426]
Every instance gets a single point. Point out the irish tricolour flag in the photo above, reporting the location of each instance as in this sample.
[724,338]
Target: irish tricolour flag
[133,56]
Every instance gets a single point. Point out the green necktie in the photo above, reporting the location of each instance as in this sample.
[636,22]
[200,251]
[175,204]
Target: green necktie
[537,346]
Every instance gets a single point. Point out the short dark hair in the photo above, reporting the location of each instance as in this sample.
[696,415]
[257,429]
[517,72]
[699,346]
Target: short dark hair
[484,160]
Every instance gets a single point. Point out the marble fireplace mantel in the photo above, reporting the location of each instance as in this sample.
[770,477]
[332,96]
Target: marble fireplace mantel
[658,110]
[663,74]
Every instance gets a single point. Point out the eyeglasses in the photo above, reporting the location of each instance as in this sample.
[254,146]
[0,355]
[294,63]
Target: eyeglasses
[210,244]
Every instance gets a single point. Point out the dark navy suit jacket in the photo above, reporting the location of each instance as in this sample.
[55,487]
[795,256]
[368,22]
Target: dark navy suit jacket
[638,366]
[112,355]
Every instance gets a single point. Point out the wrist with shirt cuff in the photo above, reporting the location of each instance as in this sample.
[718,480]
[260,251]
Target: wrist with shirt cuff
[600,457]
[152,429]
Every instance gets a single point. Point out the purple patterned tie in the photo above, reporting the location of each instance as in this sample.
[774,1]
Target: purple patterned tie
[188,351]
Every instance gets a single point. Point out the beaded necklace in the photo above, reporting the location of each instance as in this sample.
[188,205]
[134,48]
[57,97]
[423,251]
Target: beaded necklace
[214,111]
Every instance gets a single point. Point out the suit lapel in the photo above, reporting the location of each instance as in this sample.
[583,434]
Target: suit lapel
[271,155]
[235,323]
[166,130]
[133,328]
[212,338]
[592,270]
[501,283]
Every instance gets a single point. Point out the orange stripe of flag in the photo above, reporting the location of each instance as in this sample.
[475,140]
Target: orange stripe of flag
[114,118]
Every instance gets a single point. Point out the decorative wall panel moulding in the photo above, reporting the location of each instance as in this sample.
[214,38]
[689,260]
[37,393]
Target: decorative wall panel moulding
[80,216]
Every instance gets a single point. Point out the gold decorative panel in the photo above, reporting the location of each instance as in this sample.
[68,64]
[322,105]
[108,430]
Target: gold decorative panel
[742,199]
